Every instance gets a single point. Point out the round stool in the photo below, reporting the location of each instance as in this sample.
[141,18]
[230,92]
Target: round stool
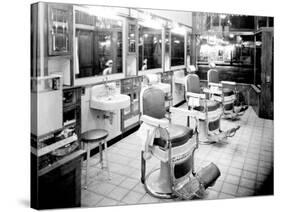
[91,136]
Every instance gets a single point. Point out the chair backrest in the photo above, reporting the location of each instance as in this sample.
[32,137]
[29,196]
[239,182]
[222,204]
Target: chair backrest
[154,103]
[213,76]
[192,83]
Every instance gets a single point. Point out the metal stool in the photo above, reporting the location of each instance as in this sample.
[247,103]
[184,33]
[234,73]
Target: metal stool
[96,135]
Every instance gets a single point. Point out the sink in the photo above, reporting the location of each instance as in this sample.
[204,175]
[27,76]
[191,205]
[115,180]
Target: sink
[163,86]
[110,103]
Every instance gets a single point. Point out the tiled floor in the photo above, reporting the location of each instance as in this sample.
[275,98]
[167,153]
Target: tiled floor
[245,163]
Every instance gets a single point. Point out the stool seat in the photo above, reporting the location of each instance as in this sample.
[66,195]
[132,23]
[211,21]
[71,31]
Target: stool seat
[94,135]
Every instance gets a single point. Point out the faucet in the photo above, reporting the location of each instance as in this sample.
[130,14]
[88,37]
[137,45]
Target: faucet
[106,86]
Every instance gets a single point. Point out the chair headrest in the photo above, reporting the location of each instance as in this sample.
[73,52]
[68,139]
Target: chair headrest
[213,76]
[193,83]
[154,103]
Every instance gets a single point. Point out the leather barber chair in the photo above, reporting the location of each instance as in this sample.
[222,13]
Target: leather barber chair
[226,93]
[174,147]
[208,112]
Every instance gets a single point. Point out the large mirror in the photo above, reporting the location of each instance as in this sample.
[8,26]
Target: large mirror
[177,49]
[98,42]
[188,46]
[150,48]
[167,50]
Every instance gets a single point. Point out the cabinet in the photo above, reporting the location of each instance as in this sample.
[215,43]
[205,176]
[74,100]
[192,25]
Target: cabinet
[263,69]
[56,159]
[167,77]
[59,29]
[130,115]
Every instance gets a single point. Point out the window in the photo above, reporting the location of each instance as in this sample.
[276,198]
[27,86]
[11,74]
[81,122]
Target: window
[99,45]
[150,48]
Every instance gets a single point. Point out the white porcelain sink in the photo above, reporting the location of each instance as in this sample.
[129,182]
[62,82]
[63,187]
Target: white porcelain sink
[110,103]
[163,86]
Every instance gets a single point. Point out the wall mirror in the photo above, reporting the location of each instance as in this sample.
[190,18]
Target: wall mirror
[150,48]
[98,43]
[167,49]
[177,49]
[188,46]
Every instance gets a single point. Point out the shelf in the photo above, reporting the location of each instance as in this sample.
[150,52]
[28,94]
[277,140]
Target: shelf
[61,162]
[50,148]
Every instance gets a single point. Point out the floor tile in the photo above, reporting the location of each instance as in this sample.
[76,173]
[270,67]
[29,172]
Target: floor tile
[132,197]
[235,171]
[148,199]
[225,196]
[118,193]
[101,188]
[228,188]
[232,179]
[139,188]
[89,199]
[129,183]
[243,192]
[107,202]
[247,183]
[245,163]
[249,175]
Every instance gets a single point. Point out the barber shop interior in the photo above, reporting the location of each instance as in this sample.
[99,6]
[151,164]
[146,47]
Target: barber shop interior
[138,106]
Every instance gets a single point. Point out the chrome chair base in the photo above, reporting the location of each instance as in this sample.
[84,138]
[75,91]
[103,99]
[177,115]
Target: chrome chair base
[158,183]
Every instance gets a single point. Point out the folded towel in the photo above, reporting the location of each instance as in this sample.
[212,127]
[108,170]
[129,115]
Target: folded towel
[146,134]
[194,102]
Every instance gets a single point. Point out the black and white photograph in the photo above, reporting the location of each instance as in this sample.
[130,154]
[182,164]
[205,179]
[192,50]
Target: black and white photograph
[139,105]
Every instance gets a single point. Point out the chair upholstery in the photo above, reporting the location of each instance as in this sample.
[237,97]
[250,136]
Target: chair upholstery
[213,76]
[179,135]
[212,106]
[193,83]
[154,103]
[227,92]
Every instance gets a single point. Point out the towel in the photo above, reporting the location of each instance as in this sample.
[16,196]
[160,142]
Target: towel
[76,58]
[146,134]
[193,102]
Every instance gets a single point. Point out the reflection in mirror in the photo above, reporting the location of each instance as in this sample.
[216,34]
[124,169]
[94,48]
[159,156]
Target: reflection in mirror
[150,50]
[99,45]
[167,49]
[132,38]
[177,49]
[188,46]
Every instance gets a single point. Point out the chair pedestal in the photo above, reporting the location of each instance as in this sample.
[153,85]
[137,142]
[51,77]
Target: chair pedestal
[158,182]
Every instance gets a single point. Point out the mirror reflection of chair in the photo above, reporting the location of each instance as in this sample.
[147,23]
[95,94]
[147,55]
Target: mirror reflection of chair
[209,113]
[226,93]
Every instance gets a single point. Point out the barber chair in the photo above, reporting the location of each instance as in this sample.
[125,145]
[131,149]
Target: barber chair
[226,93]
[208,112]
[174,146]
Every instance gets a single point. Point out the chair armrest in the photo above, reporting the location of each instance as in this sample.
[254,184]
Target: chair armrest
[163,123]
[184,112]
[196,95]
[228,82]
